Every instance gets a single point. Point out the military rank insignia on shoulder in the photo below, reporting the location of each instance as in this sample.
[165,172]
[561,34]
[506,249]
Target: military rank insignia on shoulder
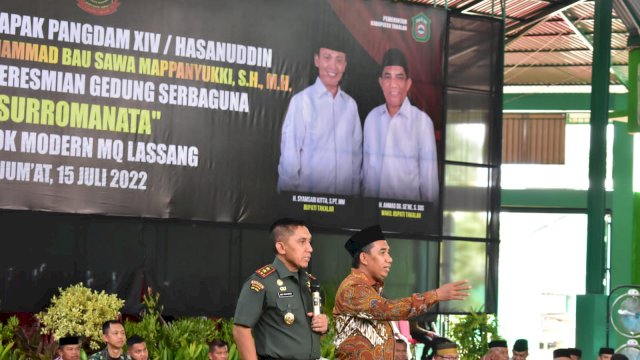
[265,271]
[256,286]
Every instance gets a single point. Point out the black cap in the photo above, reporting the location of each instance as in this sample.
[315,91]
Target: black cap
[606,351]
[561,353]
[521,345]
[395,57]
[498,343]
[331,37]
[575,352]
[363,238]
[135,339]
[69,340]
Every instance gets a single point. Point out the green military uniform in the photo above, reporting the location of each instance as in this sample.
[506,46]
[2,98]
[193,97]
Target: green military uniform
[104,355]
[274,303]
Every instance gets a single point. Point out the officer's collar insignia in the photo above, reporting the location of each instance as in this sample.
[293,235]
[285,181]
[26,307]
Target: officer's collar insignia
[265,271]
[256,286]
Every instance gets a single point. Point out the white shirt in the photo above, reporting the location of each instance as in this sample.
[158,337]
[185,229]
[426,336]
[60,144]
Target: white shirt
[321,146]
[400,159]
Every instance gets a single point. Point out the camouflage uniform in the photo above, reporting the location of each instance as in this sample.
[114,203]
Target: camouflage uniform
[104,355]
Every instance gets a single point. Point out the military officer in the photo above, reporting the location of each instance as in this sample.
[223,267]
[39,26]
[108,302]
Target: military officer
[114,336]
[274,318]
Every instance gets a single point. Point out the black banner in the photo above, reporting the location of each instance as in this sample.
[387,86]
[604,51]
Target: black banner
[219,111]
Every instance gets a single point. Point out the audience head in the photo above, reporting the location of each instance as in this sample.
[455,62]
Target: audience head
[605,353]
[137,348]
[520,349]
[113,334]
[400,350]
[498,350]
[69,348]
[575,353]
[561,354]
[218,350]
[446,350]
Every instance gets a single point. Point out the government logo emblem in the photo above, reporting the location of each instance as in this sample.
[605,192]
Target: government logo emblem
[421,28]
[99,7]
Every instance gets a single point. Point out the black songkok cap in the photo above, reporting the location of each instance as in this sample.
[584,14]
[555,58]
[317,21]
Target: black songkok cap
[561,353]
[606,351]
[395,57]
[619,357]
[575,352]
[135,339]
[521,345]
[363,238]
[332,38]
[498,343]
[69,340]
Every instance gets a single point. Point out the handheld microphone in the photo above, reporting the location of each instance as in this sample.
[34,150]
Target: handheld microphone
[315,295]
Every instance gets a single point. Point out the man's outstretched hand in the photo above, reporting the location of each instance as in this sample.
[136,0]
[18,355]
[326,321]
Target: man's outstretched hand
[453,291]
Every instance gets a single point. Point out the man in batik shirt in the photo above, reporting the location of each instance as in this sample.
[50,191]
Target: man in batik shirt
[362,315]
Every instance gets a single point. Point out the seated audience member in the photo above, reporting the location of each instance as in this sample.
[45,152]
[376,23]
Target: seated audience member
[113,335]
[401,332]
[575,353]
[400,350]
[218,350]
[561,354]
[446,351]
[422,328]
[137,348]
[432,351]
[520,349]
[69,348]
[605,353]
[498,350]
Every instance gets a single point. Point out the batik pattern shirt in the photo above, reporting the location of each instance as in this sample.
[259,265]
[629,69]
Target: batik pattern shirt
[362,316]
